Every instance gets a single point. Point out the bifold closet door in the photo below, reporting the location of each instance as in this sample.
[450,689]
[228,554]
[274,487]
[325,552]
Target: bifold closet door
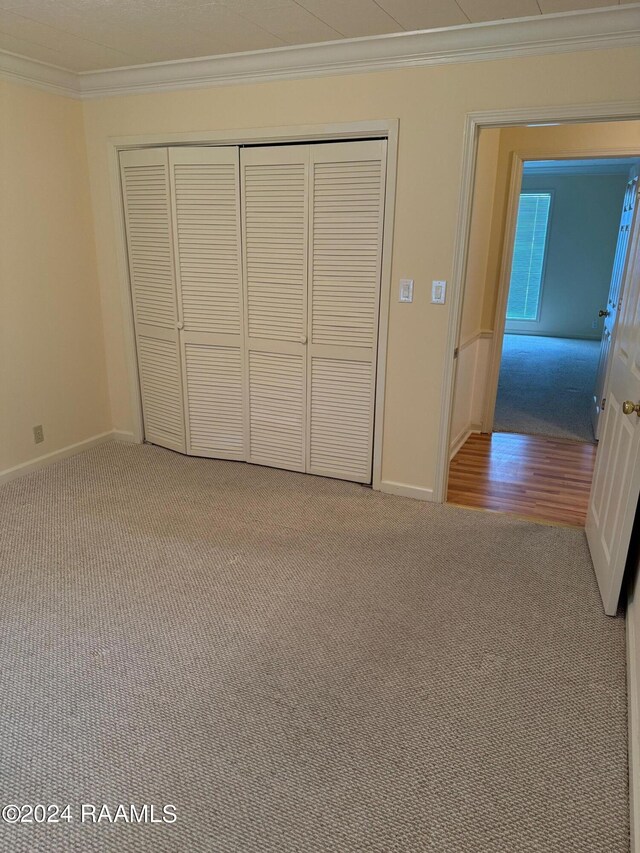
[278,368]
[205,186]
[147,208]
[275,226]
[312,225]
[347,184]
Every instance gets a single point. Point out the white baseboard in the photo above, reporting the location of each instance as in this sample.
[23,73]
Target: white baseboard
[64,452]
[125,436]
[633,699]
[460,439]
[406,491]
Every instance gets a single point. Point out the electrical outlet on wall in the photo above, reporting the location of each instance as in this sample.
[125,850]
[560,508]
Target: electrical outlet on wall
[594,324]
[38,434]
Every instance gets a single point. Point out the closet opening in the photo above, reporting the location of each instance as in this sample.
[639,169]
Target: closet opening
[255,277]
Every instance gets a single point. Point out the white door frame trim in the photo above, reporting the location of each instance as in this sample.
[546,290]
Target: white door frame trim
[518,159]
[385,128]
[474,122]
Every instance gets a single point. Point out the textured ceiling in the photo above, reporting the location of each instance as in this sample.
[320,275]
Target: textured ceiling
[86,35]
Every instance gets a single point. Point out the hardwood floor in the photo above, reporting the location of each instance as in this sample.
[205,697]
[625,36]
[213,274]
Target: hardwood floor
[531,475]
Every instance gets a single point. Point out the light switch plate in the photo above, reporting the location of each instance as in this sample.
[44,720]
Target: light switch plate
[406,290]
[438,292]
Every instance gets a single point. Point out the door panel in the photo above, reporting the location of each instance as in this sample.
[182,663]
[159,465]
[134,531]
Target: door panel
[277,392]
[347,209]
[275,232]
[160,379]
[147,207]
[206,221]
[275,224]
[341,418]
[616,482]
[214,400]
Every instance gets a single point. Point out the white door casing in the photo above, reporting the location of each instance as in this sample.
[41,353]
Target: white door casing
[616,481]
[617,275]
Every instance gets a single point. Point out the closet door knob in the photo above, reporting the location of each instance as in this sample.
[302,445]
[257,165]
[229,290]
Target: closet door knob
[179,326]
[303,339]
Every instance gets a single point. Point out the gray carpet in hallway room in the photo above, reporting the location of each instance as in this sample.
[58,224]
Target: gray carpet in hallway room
[546,386]
[300,664]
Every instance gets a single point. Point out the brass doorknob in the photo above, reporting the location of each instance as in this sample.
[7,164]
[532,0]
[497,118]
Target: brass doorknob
[628,407]
[603,313]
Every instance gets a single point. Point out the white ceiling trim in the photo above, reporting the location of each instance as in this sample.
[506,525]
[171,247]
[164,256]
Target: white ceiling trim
[543,168]
[592,29]
[20,69]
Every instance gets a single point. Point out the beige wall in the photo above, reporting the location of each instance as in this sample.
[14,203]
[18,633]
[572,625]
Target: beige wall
[52,367]
[431,104]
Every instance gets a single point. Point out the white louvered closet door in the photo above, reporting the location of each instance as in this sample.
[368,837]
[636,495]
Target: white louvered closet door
[347,209]
[275,225]
[205,185]
[147,207]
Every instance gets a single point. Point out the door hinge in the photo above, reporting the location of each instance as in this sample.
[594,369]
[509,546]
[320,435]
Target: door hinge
[602,402]
[456,351]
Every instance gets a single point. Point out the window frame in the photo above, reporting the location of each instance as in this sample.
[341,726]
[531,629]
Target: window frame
[543,271]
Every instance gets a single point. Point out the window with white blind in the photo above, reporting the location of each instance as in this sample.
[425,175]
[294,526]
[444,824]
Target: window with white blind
[529,251]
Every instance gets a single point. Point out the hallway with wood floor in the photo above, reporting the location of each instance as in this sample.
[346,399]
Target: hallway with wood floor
[535,476]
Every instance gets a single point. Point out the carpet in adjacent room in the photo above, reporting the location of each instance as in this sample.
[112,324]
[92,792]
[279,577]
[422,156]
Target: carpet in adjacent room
[546,386]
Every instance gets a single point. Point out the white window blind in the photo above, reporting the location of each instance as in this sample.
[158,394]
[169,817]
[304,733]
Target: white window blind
[528,256]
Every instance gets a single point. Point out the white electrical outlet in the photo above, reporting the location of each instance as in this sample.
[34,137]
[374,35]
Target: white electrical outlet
[38,434]
[406,290]
[438,292]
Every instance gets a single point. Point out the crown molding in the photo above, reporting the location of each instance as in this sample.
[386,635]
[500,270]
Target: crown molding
[41,75]
[591,29]
[588,166]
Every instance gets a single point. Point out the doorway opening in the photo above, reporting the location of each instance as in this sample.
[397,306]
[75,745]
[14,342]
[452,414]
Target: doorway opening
[551,220]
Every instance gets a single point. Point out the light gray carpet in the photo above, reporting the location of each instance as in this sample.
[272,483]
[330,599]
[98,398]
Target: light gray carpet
[300,664]
[546,385]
